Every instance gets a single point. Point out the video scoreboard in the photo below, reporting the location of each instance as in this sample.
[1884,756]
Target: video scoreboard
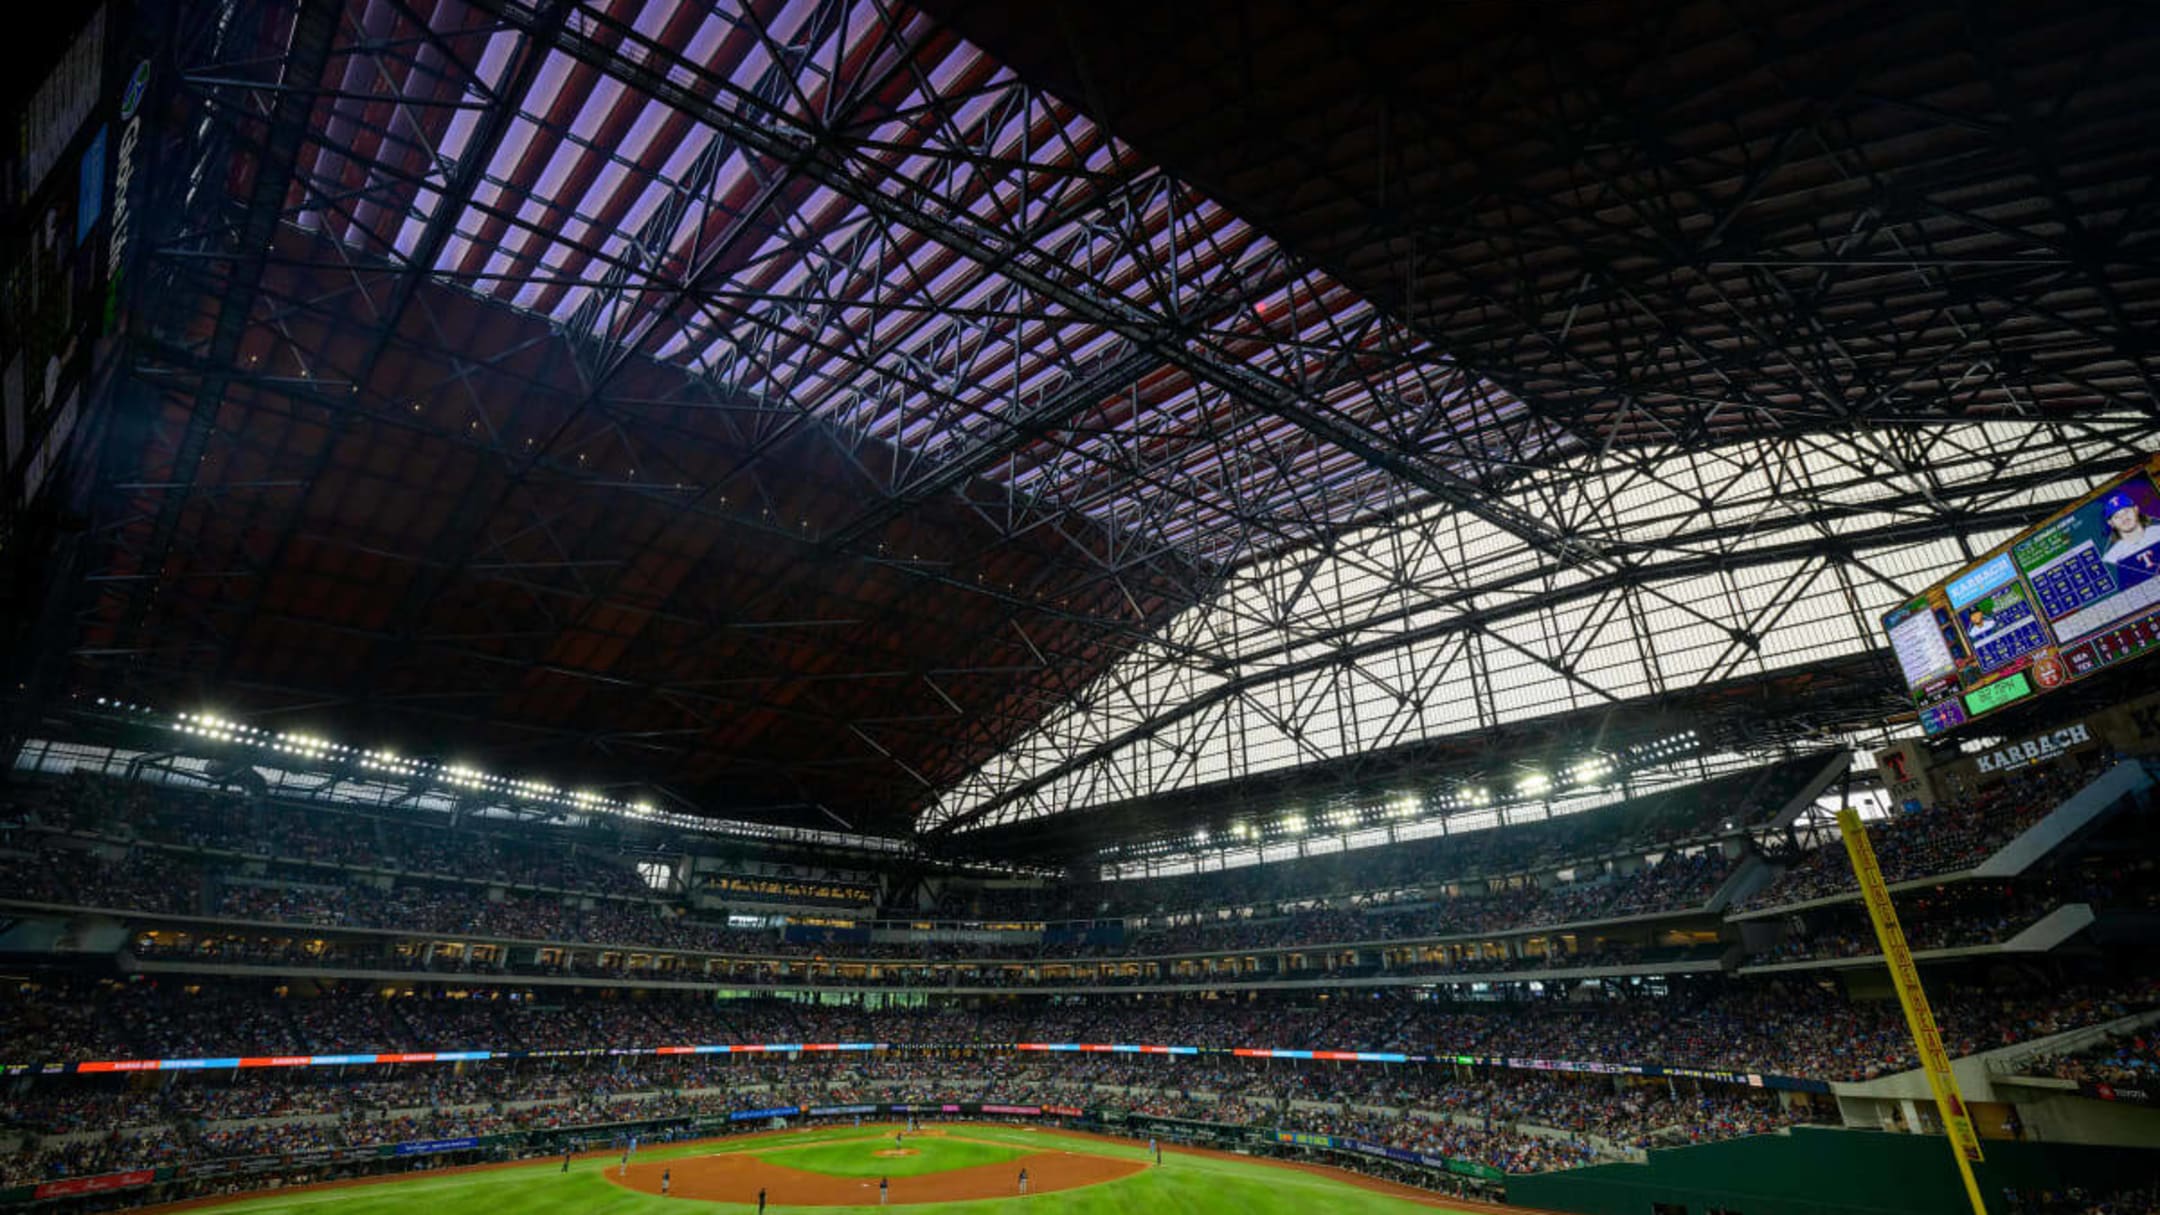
[2058,602]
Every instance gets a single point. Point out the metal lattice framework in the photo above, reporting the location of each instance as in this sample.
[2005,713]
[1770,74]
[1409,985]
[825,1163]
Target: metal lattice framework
[958,395]
[792,404]
[1712,565]
[1831,297]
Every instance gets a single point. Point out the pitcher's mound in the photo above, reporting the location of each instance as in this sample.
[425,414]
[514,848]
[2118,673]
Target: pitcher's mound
[896,1152]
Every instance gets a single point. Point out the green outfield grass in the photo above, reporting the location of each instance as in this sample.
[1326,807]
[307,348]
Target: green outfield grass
[858,1157]
[1184,1185]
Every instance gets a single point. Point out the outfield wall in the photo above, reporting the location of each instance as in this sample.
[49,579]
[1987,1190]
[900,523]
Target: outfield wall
[1826,1171]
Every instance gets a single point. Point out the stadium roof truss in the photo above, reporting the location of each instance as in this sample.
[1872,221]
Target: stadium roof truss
[1690,568]
[792,404]
[1823,300]
[817,275]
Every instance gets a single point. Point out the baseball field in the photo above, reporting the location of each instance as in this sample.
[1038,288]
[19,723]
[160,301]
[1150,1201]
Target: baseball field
[958,1169]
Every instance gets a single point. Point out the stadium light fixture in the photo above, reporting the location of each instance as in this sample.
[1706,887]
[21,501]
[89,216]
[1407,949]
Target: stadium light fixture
[212,728]
[1590,770]
[1294,824]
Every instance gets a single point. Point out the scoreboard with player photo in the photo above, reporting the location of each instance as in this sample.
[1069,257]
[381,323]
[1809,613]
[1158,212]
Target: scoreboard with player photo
[2074,596]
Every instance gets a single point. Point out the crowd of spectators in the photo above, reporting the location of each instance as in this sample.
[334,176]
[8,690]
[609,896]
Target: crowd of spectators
[588,862]
[140,878]
[136,879]
[458,910]
[283,952]
[171,852]
[1627,1113]
[1958,916]
[1512,1121]
[1795,1029]
[1639,826]
[311,879]
[1974,913]
[1948,837]
[1506,1150]
[2132,1057]
[163,854]
[1675,881]
[2080,1200]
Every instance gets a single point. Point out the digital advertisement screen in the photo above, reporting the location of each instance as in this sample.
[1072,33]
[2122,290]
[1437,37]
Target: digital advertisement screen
[2059,602]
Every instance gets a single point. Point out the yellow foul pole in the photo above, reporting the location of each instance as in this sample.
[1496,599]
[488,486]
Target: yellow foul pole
[1934,1060]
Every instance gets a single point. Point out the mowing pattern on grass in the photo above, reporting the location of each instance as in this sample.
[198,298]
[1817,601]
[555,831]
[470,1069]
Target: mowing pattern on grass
[1188,1183]
[860,1157]
[738,1176]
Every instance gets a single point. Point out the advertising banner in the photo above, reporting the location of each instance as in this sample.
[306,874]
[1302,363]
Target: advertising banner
[1381,1151]
[71,1186]
[1470,1168]
[450,1056]
[778,1111]
[2134,1094]
[430,1147]
[1750,1079]
[2040,748]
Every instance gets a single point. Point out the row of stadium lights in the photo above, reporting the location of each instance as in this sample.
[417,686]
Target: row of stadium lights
[1535,784]
[216,729]
[1670,747]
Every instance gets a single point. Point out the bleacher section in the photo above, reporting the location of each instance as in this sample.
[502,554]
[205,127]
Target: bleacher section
[1998,832]
[1496,999]
[207,885]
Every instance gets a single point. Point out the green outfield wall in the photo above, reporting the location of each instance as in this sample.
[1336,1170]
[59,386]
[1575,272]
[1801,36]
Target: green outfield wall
[1824,1171]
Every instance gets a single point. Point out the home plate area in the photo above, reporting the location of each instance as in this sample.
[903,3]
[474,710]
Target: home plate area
[738,1176]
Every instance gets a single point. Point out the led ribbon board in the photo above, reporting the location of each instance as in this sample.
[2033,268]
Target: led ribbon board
[2057,603]
[1593,1067]
[1753,1079]
[454,1056]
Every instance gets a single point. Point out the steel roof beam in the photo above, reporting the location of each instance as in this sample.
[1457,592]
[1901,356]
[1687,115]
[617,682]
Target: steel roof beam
[778,136]
[1480,617]
[306,53]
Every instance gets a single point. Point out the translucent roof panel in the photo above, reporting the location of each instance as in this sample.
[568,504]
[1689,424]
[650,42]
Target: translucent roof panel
[852,215]
[1691,567]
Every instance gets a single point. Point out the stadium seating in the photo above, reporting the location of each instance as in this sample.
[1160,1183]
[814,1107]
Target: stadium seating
[213,889]
[2131,1057]
[1789,1029]
[197,855]
[1454,1112]
[1946,838]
